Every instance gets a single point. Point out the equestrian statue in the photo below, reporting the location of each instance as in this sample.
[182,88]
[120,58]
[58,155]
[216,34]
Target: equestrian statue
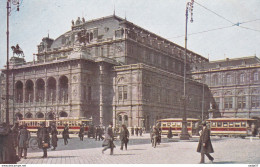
[18,51]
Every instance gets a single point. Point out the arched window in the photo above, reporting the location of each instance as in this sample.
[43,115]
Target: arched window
[63,114]
[19,92]
[51,89]
[63,89]
[29,91]
[28,115]
[215,79]
[50,116]
[40,90]
[19,116]
[39,115]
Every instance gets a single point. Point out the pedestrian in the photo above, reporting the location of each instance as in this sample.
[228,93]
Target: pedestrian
[54,137]
[65,134]
[124,137]
[136,131]
[99,132]
[155,135]
[109,138]
[81,132]
[253,130]
[15,131]
[132,131]
[96,132]
[205,146]
[45,139]
[23,137]
[7,149]
[169,135]
[141,131]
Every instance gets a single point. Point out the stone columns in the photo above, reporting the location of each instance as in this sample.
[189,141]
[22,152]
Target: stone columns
[101,87]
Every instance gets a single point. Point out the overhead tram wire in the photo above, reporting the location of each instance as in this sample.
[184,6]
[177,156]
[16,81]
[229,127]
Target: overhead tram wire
[235,24]
[195,33]
[214,13]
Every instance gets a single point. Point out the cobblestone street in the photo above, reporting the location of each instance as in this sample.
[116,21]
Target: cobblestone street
[140,151]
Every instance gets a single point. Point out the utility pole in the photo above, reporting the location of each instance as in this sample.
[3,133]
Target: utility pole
[8,10]
[184,131]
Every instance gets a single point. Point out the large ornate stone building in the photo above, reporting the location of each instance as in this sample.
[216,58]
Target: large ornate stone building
[109,69]
[234,84]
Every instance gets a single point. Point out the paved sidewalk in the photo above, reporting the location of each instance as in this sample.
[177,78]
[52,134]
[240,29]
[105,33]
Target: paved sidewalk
[140,151]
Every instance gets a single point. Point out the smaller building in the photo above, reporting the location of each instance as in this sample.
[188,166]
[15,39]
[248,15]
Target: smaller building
[234,84]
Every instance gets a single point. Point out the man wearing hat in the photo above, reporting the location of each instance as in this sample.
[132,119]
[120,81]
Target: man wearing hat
[23,138]
[44,139]
[109,138]
[205,146]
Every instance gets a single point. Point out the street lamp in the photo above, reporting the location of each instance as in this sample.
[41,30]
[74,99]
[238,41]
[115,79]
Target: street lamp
[184,132]
[8,9]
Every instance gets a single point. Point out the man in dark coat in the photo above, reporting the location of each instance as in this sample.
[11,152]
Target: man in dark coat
[7,150]
[132,131]
[205,146]
[54,137]
[15,132]
[65,134]
[81,132]
[136,131]
[109,138]
[141,131]
[23,137]
[45,139]
[124,137]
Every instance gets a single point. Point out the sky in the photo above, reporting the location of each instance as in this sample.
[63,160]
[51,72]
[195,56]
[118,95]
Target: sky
[214,33]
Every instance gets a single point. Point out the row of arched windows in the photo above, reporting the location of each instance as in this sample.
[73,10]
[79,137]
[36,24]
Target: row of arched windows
[49,116]
[41,90]
[231,79]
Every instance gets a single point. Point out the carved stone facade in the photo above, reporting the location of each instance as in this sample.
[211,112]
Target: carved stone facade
[234,84]
[108,69]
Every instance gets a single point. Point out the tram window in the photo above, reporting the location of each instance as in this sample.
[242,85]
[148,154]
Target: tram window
[189,124]
[225,124]
[219,124]
[231,124]
[213,124]
[168,124]
[237,124]
[178,124]
[173,124]
[163,125]
[243,124]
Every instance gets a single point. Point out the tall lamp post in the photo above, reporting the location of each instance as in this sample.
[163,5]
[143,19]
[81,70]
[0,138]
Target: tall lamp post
[8,9]
[184,132]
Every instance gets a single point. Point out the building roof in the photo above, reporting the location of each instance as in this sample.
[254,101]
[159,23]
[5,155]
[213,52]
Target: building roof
[228,63]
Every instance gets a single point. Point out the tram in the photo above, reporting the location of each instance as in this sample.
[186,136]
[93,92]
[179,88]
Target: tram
[73,123]
[176,125]
[231,126]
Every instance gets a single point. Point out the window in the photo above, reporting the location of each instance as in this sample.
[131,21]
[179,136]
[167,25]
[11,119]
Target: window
[231,124]
[213,124]
[255,101]
[225,124]
[163,125]
[228,102]
[241,102]
[178,124]
[237,124]
[215,80]
[242,78]
[228,79]
[255,76]
[122,92]
[169,124]
[217,102]
[173,124]
[243,124]
[219,124]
